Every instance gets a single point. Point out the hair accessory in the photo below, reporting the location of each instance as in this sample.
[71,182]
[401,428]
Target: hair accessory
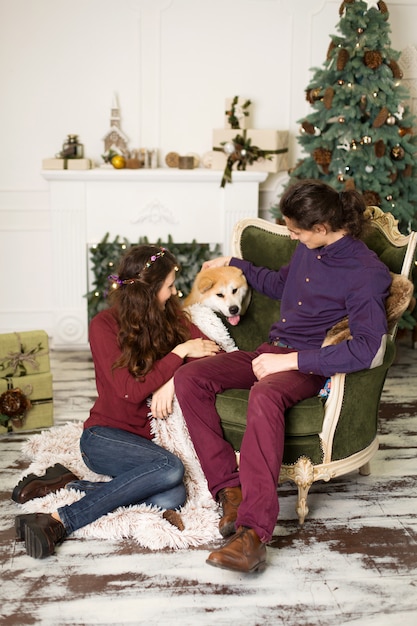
[154,258]
[119,282]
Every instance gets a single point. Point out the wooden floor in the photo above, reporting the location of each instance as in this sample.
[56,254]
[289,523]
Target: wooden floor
[354,561]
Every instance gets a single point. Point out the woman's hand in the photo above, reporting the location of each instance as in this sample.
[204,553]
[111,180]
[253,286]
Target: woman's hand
[269,363]
[220,261]
[162,400]
[196,348]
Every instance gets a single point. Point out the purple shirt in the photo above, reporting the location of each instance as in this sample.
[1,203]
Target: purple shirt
[317,289]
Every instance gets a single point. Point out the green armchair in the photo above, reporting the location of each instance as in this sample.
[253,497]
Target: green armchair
[325,437]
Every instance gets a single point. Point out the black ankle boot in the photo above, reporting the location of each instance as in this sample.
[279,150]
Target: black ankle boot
[42,534]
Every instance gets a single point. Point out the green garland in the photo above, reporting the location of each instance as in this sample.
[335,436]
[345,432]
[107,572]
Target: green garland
[105,256]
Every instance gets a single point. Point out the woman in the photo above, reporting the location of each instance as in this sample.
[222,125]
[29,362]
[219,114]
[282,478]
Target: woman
[332,273]
[137,345]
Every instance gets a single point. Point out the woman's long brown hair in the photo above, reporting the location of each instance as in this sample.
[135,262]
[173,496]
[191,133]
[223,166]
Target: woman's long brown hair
[147,331]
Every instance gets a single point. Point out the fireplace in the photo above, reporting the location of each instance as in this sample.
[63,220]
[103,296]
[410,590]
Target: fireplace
[85,205]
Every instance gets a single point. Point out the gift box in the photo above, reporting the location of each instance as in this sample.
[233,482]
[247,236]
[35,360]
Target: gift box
[36,390]
[240,112]
[25,381]
[273,141]
[24,353]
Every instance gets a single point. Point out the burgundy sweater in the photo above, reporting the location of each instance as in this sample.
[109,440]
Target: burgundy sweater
[122,399]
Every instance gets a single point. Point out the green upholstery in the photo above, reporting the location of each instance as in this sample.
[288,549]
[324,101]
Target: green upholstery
[357,422]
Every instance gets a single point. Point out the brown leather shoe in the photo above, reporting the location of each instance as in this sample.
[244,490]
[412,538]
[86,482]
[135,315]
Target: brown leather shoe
[20,522]
[42,534]
[229,498]
[244,552]
[33,486]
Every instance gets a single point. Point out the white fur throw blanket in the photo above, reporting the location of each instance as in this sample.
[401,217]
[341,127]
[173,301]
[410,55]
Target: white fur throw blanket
[143,523]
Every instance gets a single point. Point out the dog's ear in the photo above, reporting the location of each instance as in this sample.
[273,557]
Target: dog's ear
[205,283]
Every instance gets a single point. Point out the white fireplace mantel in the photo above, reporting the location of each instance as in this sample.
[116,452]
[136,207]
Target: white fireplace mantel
[85,205]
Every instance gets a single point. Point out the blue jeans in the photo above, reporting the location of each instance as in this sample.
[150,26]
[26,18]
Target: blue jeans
[142,472]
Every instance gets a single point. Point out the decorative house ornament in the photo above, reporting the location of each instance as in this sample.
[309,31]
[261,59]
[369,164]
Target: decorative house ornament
[115,139]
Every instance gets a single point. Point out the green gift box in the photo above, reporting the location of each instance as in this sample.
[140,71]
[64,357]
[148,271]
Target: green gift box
[25,381]
[24,353]
[33,391]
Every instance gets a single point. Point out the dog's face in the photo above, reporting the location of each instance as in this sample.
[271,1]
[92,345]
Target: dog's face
[222,289]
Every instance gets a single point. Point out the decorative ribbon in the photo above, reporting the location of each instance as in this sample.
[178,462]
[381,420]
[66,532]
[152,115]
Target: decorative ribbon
[15,360]
[243,154]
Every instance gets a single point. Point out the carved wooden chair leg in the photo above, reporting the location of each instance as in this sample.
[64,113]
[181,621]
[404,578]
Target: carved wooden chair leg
[365,470]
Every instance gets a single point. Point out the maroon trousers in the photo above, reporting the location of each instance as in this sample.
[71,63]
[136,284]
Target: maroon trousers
[196,386]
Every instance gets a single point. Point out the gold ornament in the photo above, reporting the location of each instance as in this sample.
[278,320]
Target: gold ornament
[118,162]
[390,120]
[366,139]
[397,153]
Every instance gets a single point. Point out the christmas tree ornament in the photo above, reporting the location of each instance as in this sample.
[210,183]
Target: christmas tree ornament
[382,6]
[342,59]
[312,95]
[366,140]
[341,119]
[371,197]
[391,120]
[395,69]
[323,157]
[379,148]
[372,59]
[369,169]
[328,97]
[307,127]
[397,153]
[381,118]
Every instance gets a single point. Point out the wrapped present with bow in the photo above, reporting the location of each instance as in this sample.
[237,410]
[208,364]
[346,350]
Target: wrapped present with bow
[25,381]
[253,150]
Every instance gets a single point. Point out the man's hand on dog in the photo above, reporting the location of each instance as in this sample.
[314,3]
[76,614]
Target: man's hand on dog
[220,261]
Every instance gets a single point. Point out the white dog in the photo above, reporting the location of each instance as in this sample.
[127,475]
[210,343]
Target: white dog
[222,289]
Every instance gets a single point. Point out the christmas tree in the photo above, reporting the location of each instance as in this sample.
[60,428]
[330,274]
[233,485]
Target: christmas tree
[360,134]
